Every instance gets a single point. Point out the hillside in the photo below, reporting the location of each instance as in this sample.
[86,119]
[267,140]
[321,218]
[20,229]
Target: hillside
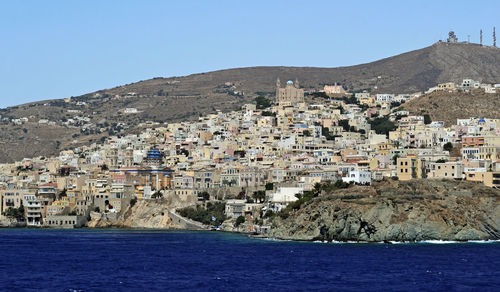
[450,106]
[89,118]
[397,211]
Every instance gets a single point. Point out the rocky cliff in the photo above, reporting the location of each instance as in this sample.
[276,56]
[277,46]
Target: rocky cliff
[144,214]
[397,211]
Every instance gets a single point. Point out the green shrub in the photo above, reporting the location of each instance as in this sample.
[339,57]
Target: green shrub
[262,102]
[204,215]
[448,146]
[239,221]
[382,125]
[16,213]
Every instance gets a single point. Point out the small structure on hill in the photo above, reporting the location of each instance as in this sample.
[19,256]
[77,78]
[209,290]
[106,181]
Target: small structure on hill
[452,38]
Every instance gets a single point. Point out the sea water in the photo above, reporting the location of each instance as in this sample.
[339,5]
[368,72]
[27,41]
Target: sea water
[138,260]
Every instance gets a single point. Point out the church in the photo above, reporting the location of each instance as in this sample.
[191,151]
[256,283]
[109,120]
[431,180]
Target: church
[290,94]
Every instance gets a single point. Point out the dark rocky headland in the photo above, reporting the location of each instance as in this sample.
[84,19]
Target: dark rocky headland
[394,210]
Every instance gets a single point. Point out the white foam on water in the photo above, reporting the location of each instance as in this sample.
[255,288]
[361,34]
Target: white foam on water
[273,239]
[484,241]
[439,241]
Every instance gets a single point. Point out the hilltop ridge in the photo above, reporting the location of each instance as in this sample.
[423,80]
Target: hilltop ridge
[47,127]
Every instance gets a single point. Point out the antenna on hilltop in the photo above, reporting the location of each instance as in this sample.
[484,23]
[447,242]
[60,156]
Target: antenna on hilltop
[494,38]
[481,37]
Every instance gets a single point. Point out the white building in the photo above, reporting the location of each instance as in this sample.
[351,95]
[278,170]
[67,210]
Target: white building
[130,110]
[362,95]
[470,152]
[284,196]
[469,83]
[384,97]
[359,177]
[402,98]
[33,209]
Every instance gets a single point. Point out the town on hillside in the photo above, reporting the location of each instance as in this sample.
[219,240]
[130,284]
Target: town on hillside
[255,162]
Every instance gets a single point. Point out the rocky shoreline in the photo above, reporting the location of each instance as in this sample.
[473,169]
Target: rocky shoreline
[390,211]
[397,211]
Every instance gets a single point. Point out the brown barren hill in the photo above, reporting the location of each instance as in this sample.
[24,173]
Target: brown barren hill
[450,106]
[188,97]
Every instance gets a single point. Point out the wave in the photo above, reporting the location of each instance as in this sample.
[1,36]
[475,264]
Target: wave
[438,241]
[484,241]
[430,241]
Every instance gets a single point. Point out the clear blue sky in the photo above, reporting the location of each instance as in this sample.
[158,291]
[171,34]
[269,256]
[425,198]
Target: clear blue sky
[55,49]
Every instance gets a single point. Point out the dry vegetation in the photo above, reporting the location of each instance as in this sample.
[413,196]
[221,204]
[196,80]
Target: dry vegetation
[186,98]
[448,107]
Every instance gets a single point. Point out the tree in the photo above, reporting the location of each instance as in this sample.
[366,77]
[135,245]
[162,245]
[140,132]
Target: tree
[133,201]
[326,132]
[395,159]
[427,119]
[269,186]
[15,213]
[239,221]
[205,215]
[382,125]
[317,188]
[259,196]
[344,124]
[269,213]
[307,133]
[448,147]
[262,102]
[268,114]
[205,195]
[241,195]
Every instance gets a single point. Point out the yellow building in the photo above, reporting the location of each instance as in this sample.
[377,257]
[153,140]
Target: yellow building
[452,170]
[384,148]
[409,168]
[489,179]
[369,101]
[489,153]
[492,179]
[492,140]
[476,176]
[446,86]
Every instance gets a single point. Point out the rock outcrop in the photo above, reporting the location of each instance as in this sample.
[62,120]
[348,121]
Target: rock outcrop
[397,211]
[144,214]
[11,223]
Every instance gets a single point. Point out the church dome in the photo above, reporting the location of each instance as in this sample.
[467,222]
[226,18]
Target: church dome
[289,82]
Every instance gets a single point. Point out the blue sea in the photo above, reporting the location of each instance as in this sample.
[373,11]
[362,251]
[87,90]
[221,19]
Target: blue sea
[139,260]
